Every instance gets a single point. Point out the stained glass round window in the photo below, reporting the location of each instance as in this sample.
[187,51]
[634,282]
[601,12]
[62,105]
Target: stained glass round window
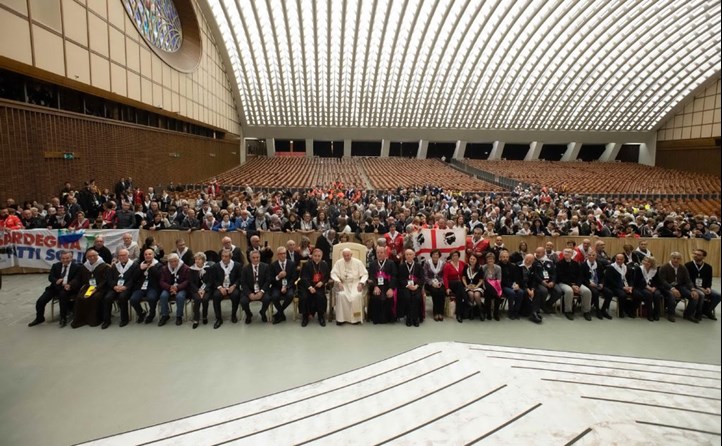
[158,22]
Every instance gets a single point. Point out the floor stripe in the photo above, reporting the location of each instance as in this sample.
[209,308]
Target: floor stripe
[678,427]
[605,367]
[289,403]
[497,429]
[632,388]
[612,376]
[600,360]
[441,416]
[264,396]
[579,437]
[639,403]
[389,410]
[341,405]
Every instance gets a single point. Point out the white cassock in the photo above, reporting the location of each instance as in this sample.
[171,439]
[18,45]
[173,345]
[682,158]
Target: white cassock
[349,300]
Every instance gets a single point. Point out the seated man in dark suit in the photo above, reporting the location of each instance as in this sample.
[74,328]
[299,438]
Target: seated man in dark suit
[63,285]
[255,286]
[184,253]
[120,286]
[255,246]
[283,284]
[675,283]
[618,281]
[147,286]
[226,276]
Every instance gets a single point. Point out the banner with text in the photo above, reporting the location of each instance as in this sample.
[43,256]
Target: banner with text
[40,248]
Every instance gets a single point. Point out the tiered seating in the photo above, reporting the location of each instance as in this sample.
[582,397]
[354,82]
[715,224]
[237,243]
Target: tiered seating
[608,178]
[294,173]
[390,173]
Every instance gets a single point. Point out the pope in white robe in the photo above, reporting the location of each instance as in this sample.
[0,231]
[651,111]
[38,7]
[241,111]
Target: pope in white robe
[349,275]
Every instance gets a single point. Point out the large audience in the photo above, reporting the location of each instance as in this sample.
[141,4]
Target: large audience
[530,282]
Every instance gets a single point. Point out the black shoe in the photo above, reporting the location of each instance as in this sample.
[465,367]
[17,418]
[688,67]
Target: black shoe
[535,318]
[691,319]
[264,318]
[149,318]
[217,324]
[600,315]
[105,325]
[632,315]
[459,319]
[606,315]
[338,324]
[163,320]
[710,315]
[621,315]
[588,316]
[539,315]
[650,318]
[416,322]
[548,308]
[276,320]
[496,316]
[36,321]
[234,318]
[205,321]
[123,323]
[63,322]
[569,316]
[321,321]
[141,317]
[656,317]
[408,322]
[195,324]
[249,318]
[304,321]
[179,321]
[671,317]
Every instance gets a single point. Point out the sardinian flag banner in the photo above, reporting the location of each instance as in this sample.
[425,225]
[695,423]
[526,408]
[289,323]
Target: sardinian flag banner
[40,248]
[445,240]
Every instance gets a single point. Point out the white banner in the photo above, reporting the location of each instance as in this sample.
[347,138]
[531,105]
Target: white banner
[39,248]
[445,240]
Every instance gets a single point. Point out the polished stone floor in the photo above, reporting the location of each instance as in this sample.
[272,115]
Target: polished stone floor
[64,386]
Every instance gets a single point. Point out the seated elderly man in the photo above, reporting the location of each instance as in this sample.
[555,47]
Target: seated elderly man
[349,275]
[236,253]
[120,286]
[174,282]
[64,284]
[255,286]
[130,246]
[700,274]
[675,283]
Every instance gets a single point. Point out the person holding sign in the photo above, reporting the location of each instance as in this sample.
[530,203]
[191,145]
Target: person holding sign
[382,287]
[226,276]
[349,275]
[312,289]
[410,286]
[93,278]
[63,280]
[120,284]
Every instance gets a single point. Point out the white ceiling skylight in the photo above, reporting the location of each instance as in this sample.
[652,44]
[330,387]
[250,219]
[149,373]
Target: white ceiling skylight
[594,65]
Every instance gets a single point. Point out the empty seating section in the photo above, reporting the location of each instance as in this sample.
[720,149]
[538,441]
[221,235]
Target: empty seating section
[602,178]
[390,173]
[364,173]
[294,173]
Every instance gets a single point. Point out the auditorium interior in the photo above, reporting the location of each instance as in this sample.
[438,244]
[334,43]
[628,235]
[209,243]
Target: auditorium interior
[614,106]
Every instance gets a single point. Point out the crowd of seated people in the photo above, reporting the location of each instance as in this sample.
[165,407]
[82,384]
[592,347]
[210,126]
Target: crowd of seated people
[339,211]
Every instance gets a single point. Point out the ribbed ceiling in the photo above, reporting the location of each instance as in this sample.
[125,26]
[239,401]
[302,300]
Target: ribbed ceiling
[618,65]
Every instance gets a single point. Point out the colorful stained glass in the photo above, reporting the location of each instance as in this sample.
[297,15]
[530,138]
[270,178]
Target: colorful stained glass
[157,21]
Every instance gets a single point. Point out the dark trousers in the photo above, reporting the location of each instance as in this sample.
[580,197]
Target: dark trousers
[198,303]
[309,304]
[150,295]
[551,295]
[459,292]
[409,304]
[282,300]
[628,304]
[246,303]
[529,305]
[514,299]
[48,295]
[438,298]
[122,299]
[491,297]
[652,301]
[685,293]
[235,297]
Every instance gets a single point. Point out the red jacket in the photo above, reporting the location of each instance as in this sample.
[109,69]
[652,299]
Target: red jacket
[479,248]
[12,222]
